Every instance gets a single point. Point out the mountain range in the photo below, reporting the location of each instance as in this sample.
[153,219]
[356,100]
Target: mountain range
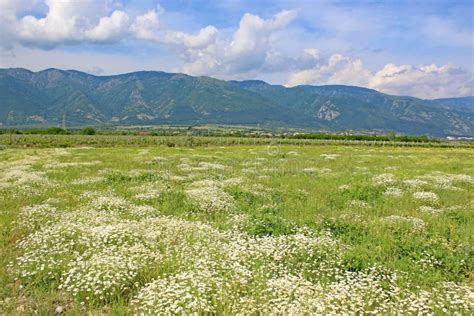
[152,97]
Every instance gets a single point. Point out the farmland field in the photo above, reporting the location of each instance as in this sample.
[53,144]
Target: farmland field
[244,229]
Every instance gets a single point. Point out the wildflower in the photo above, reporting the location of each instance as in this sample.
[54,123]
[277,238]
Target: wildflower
[87,180]
[415,222]
[414,183]
[384,179]
[330,156]
[427,196]
[209,197]
[344,187]
[359,203]
[317,170]
[392,191]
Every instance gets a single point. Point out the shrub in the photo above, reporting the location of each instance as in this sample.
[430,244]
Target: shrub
[88,131]
[55,131]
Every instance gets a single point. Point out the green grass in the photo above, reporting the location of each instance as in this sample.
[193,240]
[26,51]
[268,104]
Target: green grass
[274,192]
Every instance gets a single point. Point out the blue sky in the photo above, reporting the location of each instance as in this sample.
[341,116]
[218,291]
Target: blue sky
[420,48]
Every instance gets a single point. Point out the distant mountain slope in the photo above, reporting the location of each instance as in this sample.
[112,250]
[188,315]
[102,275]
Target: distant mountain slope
[151,97]
[347,107]
[466,102]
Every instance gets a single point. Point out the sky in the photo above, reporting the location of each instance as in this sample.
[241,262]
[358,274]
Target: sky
[418,48]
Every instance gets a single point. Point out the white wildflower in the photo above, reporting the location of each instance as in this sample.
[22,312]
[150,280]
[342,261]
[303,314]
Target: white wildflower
[392,191]
[384,179]
[427,196]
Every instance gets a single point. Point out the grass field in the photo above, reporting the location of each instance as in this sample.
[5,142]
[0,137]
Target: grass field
[243,229]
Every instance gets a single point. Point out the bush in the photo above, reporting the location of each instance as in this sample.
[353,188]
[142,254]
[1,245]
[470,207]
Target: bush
[55,131]
[88,131]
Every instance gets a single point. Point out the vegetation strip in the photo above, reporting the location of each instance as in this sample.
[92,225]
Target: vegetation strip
[44,141]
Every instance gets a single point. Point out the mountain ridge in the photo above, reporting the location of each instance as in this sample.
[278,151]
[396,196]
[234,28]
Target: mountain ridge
[157,97]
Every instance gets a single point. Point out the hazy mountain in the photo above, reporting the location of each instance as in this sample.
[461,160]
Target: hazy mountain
[466,102]
[150,97]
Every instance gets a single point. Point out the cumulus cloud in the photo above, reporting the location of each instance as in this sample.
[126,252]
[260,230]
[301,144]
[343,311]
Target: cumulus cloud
[145,26]
[424,81]
[251,42]
[203,38]
[109,28]
[65,22]
[312,52]
[338,69]
[73,22]
[249,50]
[253,32]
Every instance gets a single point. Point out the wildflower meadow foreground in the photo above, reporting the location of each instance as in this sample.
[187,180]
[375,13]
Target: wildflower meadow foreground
[237,230]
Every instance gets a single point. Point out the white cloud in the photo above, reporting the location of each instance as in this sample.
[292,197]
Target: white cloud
[65,21]
[249,50]
[425,81]
[203,38]
[109,28]
[68,22]
[74,22]
[251,42]
[312,53]
[337,70]
[146,25]
[253,32]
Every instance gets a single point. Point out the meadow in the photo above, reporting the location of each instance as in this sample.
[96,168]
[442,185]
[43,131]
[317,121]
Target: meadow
[263,228]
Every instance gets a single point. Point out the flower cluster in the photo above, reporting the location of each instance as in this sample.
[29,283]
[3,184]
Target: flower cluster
[414,183]
[414,222]
[210,197]
[23,177]
[317,170]
[101,272]
[445,180]
[428,261]
[426,196]
[186,166]
[392,191]
[329,156]
[430,209]
[35,216]
[87,180]
[384,179]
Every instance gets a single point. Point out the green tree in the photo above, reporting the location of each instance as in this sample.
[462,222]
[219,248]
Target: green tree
[88,131]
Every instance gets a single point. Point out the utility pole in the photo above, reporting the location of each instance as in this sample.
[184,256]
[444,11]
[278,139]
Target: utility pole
[10,118]
[64,121]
